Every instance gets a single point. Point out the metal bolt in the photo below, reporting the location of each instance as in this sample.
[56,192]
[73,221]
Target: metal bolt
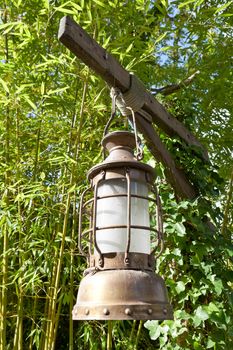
[149,311]
[165,311]
[128,312]
[106,312]
[87,312]
[101,263]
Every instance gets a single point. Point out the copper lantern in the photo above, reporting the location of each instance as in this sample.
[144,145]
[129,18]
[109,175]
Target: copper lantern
[120,283]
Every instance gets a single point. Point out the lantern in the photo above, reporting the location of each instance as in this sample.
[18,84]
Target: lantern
[120,282]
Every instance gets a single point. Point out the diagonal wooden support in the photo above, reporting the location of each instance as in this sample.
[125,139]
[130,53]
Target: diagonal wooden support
[105,65]
[175,176]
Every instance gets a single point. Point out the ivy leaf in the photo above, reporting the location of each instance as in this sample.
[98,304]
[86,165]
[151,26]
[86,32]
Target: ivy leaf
[180,229]
[210,343]
[200,316]
[180,287]
[218,286]
[154,329]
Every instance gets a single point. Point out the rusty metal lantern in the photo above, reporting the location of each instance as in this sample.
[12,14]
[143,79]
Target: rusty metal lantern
[120,283]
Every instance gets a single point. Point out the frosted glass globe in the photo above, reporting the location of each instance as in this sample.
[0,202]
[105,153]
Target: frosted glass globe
[113,211]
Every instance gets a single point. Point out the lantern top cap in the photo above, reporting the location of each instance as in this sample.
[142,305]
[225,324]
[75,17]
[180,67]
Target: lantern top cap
[120,145]
[119,139]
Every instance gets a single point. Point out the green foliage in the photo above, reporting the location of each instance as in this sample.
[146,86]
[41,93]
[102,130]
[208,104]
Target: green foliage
[53,112]
[197,265]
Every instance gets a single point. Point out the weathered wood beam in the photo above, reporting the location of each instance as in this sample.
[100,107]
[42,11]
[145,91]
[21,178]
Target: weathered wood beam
[97,58]
[175,176]
[105,65]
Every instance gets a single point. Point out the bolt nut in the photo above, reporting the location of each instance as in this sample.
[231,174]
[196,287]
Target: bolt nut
[149,311]
[165,311]
[87,312]
[106,312]
[128,312]
[101,263]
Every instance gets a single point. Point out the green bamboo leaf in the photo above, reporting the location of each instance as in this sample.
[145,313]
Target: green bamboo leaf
[50,92]
[42,175]
[76,6]
[183,4]
[226,15]
[223,7]
[198,3]
[42,88]
[8,26]
[46,4]
[98,2]
[129,48]
[165,3]
[29,101]
[4,84]
[161,37]
[22,87]
[65,10]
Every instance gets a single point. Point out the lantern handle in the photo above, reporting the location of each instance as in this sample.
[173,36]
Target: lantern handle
[94,219]
[80,222]
[113,113]
[139,154]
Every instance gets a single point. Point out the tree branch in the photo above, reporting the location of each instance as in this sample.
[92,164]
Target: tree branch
[170,89]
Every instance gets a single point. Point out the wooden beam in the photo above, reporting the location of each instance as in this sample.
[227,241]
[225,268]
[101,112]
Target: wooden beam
[86,48]
[175,176]
[104,64]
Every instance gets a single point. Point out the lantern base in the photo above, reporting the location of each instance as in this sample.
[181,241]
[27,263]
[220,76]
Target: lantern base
[122,295]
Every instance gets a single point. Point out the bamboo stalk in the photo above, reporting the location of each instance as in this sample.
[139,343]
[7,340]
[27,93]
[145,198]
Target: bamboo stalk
[37,151]
[132,332]
[18,337]
[45,340]
[57,316]
[138,334]
[33,322]
[72,248]
[227,208]
[51,332]
[4,282]
[109,336]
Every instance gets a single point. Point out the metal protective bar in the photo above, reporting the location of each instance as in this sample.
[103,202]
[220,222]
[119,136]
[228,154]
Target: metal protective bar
[94,218]
[125,195]
[125,226]
[128,216]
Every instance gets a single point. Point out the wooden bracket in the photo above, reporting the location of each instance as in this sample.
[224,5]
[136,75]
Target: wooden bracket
[108,68]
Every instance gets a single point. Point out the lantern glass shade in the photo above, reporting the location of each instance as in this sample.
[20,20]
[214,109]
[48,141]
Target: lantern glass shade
[112,211]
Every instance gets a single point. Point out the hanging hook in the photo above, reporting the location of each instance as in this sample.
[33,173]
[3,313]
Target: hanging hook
[114,93]
[139,154]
